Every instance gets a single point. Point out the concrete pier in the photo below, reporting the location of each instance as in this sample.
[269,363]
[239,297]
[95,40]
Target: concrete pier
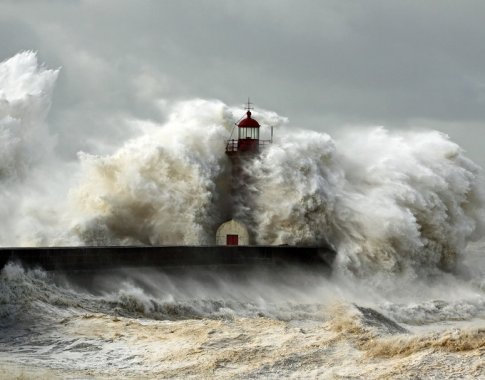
[105,258]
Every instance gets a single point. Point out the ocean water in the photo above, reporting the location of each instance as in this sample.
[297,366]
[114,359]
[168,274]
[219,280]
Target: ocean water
[291,324]
[404,211]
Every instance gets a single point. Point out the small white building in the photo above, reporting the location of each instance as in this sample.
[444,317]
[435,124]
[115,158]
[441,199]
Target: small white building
[232,233]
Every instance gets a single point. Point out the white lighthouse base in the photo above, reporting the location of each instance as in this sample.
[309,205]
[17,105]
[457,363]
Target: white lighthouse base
[232,233]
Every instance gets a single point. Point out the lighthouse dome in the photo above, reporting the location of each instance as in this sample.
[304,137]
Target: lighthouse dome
[248,122]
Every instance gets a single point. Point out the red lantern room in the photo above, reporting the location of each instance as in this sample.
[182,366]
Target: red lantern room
[247,137]
[248,134]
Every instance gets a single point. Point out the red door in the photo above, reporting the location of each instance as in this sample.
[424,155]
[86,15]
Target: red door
[232,239]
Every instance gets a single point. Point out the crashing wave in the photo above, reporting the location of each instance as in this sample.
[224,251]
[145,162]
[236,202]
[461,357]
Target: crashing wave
[387,201]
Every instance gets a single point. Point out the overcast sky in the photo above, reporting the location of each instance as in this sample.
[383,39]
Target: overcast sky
[325,65]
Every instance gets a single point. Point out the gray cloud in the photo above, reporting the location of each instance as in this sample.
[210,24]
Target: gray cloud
[324,64]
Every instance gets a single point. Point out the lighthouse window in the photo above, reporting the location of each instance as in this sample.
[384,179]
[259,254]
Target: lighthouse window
[249,133]
[256,133]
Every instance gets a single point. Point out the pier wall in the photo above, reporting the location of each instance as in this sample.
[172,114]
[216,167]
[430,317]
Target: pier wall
[98,258]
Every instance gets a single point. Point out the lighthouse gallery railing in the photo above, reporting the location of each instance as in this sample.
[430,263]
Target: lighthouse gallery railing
[232,145]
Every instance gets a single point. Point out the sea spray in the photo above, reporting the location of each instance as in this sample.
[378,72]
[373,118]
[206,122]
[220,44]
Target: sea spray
[159,188]
[387,201]
[25,142]
[25,98]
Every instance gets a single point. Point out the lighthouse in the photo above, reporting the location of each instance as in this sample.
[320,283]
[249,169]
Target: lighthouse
[246,147]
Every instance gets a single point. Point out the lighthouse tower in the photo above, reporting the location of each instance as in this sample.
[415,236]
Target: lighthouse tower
[240,151]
